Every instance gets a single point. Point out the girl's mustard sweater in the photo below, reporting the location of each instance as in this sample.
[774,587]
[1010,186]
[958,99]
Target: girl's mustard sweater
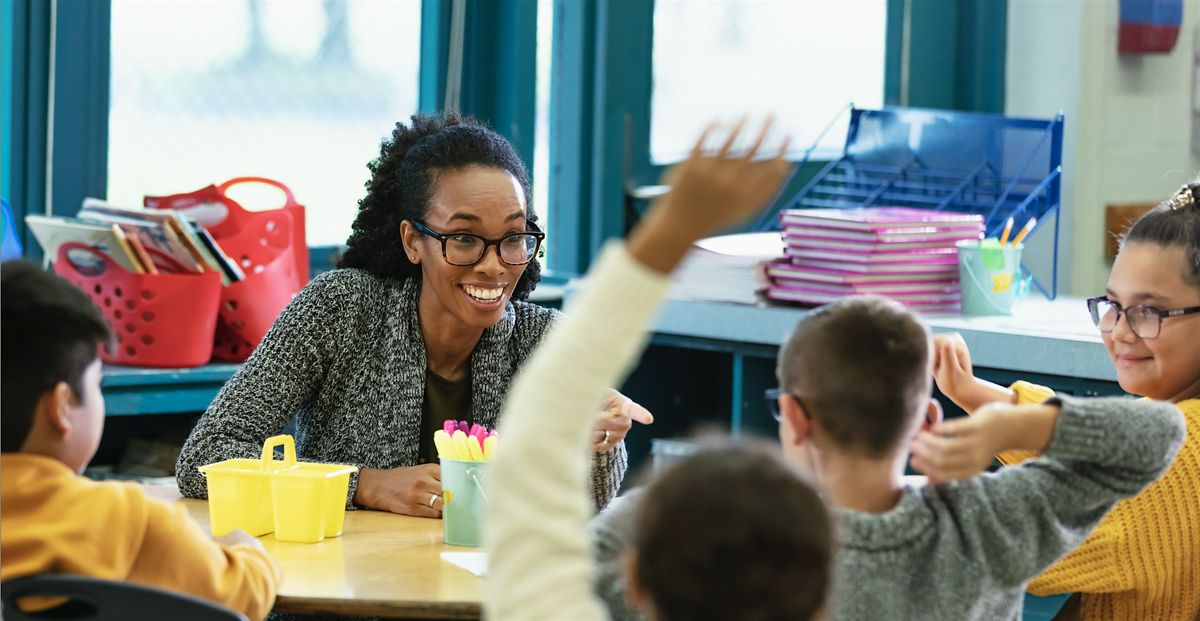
[1143,560]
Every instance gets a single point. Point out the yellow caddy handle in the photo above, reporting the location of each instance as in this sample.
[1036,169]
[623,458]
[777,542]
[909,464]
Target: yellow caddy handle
[289,452]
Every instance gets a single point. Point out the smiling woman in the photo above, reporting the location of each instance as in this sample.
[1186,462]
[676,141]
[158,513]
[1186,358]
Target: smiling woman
[425,321]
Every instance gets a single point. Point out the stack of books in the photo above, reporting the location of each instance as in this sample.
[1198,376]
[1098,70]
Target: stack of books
[908,255]
[143,241]
[727,268]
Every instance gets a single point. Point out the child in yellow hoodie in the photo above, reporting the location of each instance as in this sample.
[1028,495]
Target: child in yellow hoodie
[54,521]
[1143,560]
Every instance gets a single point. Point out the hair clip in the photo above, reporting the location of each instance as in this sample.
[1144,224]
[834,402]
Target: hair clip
[1183,199]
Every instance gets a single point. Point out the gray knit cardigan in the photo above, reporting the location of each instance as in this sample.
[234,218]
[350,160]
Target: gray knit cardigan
[347,359]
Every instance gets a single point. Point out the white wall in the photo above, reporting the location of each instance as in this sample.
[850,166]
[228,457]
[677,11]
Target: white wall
[1128,118]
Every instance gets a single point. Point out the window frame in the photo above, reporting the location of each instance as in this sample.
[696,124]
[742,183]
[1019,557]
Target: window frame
[938,54]
[58,57]
[601,67]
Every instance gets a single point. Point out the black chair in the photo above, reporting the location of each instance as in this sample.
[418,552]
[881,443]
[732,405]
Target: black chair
[92,599]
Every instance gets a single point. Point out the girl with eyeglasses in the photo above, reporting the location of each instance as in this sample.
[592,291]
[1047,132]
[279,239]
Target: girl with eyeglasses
[1143,561]
[424,321]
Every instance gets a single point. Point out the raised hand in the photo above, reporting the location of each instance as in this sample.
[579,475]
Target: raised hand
[955,378]
[711,191]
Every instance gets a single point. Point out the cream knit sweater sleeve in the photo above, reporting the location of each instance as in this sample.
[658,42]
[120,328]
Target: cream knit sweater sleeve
[540,565]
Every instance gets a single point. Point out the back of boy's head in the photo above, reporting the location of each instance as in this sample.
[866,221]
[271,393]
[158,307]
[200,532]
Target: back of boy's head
[1175,222]
[733,532]
[861,369]
[51,333]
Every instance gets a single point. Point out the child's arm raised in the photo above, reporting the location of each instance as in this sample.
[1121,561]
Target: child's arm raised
[540,566]
[1022,518]
[955,378]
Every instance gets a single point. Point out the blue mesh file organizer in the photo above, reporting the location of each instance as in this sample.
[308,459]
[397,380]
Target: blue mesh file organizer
[992,165]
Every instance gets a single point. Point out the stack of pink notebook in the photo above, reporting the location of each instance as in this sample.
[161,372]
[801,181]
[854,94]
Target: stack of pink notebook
[908,255]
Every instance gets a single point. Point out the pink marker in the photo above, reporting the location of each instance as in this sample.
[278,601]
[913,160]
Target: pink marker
[449,427]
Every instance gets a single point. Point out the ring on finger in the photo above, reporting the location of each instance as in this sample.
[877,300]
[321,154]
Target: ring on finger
[607,433]
[432,499]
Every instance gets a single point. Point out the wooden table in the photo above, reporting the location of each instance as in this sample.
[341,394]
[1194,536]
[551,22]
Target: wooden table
[382,565]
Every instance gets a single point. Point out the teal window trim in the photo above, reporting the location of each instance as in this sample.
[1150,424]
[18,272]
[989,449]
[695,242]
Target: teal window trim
[572,60]
[7,51]
[26,120]
[435,38]
[81,101]
[499,70]
[79,78]
[955,55]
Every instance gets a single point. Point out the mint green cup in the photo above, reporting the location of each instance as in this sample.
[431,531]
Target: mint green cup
[464,502]
[990,277]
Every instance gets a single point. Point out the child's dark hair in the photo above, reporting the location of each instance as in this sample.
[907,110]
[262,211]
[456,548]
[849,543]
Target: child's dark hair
[862,366]
[1175,222]
[401,185]
[51,333]
[733,532]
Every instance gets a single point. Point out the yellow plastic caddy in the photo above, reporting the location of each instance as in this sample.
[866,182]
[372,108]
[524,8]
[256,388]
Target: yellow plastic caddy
[298,501]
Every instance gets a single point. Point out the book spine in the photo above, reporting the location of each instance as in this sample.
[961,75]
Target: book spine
[131,256]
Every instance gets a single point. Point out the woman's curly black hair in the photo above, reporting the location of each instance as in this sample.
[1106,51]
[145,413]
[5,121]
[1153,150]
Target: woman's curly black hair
[402,181]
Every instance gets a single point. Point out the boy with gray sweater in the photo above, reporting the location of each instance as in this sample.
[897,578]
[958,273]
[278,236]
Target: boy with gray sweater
[854,406]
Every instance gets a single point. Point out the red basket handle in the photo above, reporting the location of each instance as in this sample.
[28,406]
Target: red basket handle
[64,262]
[287,192]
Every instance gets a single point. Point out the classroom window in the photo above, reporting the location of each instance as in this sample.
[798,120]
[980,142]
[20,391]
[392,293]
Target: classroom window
[804,61]
[302,91]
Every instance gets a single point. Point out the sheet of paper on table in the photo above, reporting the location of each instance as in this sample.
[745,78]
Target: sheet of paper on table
[474,562]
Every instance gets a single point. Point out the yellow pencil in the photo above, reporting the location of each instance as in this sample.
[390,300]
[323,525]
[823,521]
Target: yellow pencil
[476,451]
[1007,230]
[489,448]
[461,452]
[1024,231]
[445,446]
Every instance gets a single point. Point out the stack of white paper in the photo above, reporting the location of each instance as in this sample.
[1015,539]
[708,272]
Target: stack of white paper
[727,268]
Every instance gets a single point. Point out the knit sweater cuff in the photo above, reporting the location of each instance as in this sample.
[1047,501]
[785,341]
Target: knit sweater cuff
[1139,435]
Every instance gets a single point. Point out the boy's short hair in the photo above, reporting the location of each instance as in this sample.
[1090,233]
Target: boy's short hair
[863,367]
[51,333]
[733,532]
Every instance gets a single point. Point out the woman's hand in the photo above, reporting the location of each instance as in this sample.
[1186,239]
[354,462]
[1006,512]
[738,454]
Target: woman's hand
[616,419]
[415,490]
[954,377]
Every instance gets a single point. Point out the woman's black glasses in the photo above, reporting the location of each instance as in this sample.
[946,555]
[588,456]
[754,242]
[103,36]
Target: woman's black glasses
[465,249]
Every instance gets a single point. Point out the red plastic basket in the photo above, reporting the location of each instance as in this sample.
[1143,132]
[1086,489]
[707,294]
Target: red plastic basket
[270,248]
[163,320]
[249,307]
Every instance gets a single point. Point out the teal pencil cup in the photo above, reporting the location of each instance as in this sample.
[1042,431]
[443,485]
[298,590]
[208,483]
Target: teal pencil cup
[464,502]
[990,277]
